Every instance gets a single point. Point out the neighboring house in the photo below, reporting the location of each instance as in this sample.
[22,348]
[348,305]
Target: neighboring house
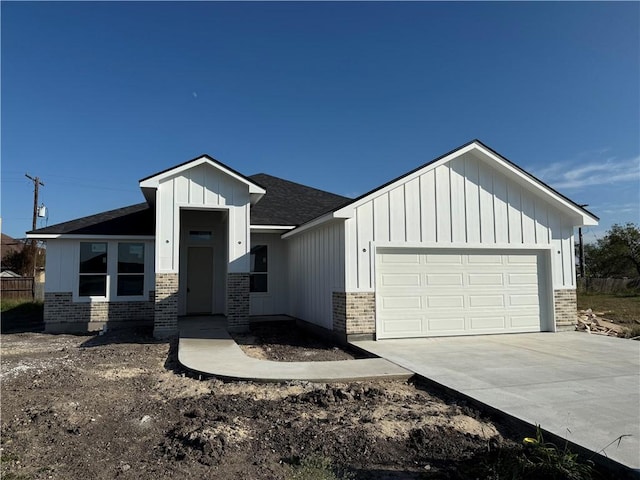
[466,244]
[8,245]
[9,274]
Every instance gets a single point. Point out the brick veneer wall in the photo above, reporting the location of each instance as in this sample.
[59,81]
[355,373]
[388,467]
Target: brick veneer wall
[565,305]
[238,301]
[165,322]
[62,314]
[354,313]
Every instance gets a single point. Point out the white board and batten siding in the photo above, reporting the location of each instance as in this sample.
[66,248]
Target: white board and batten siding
[316,269]
[465,202]
[201,187]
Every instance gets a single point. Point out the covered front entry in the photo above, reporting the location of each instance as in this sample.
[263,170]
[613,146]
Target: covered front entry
[203,260]
[441,292]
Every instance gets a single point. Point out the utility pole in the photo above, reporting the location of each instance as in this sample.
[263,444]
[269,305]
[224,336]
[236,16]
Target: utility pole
[36,187]
[34,243]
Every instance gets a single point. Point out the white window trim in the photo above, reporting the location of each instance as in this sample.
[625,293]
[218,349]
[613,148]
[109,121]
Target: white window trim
[91,298]
[112,273]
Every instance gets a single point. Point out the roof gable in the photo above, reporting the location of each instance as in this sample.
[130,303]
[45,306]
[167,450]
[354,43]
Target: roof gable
[154,180]
[494,159]
[510,170]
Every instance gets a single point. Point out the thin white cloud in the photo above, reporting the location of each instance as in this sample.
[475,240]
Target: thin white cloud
[612,209]
[579,174]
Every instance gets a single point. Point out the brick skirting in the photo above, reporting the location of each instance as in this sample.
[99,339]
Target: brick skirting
[354,313]
[565,306]
[238,302]
[62,314]
[165,321]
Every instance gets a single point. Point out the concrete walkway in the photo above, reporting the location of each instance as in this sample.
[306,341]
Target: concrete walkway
[205,346]
[585,388]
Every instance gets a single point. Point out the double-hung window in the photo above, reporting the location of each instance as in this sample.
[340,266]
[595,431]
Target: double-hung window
[258,278]
[93,269]
[130,269]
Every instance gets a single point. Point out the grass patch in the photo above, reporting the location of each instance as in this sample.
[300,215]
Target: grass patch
[317,468]
[21,315]
[624,308]
[8,305]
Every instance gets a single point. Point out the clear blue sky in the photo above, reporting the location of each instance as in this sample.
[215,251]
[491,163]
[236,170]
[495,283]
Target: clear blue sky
[339,96]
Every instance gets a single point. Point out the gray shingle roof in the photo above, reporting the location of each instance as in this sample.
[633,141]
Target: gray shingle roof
[136,219]
[290,203]
[285,203]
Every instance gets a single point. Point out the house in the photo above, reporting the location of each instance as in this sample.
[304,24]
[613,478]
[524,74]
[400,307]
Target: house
[8,245]
[466,244]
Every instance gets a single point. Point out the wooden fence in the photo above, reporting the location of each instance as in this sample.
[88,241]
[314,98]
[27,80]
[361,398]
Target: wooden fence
[17,288]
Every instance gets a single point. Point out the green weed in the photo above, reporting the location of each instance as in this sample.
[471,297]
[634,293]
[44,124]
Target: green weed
[317,468]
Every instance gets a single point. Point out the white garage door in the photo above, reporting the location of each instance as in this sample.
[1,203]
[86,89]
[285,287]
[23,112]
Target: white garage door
[424,293]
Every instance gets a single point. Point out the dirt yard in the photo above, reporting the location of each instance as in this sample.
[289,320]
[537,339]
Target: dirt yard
[118,406]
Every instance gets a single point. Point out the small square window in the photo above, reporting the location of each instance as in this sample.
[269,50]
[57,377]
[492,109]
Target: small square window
[199,236]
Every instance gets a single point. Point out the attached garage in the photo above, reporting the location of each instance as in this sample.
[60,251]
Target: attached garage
[467,244]
[436,292]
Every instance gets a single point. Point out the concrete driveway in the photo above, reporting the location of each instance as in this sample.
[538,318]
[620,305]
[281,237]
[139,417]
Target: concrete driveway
[585,388]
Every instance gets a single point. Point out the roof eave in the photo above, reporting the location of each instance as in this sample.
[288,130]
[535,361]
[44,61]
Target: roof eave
[583,216]
[80,236]
[315,222]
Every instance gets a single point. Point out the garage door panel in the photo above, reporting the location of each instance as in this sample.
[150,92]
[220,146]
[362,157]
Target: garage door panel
[477,301]
[492,279]
[445,301]
[446,324]
[457,293]
[488,323]
[438,259]
[485,259]
[401,279]
[528,321]
[403,258]
[521,300]
[402,303]
[445,279]
[522,259]
[523,279]
[410,326]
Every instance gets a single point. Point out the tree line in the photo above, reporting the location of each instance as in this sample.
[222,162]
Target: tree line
[616,255]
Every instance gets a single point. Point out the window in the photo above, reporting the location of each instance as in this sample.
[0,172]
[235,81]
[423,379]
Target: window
[93,269]
[200,236]
[258,276]
[130,269]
